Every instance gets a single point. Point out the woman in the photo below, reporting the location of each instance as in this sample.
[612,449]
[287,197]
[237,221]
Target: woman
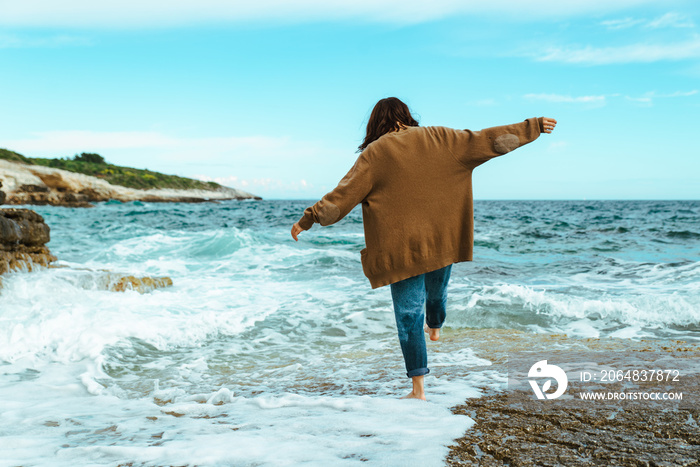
[414,184]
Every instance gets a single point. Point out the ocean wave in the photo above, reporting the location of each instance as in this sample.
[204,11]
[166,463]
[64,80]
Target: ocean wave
[48,317]
[639,277]
[683,234]
[184,245]
[512,305]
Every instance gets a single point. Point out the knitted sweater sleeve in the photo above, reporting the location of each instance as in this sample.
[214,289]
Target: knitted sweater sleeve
[473,148]
[352,189]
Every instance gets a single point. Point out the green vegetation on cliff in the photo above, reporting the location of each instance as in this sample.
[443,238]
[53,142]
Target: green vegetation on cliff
[95,165]
[13,156]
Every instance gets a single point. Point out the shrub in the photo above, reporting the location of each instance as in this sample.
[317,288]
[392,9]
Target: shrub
[89,157]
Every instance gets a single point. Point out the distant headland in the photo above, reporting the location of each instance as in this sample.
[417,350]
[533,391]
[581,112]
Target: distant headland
[88,178]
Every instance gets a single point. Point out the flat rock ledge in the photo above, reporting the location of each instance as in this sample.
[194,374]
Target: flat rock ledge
[116,282]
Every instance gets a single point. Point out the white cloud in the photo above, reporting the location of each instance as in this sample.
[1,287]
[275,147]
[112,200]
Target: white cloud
[678,94]
[682,94]
[644,101]
[623,23]
[600,100]
[634,53]
[647,99]
[668,20]
[260,185]
[166,13]
[560,98]
[671,20]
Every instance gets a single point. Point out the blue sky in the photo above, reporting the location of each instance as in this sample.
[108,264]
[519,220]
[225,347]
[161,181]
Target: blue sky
[273,96]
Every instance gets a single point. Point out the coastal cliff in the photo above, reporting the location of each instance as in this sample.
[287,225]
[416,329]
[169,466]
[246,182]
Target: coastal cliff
[34,184]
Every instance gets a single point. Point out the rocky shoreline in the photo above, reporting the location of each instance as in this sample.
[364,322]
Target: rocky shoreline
[39,185]
[23,239]
[537,434]
[522,431]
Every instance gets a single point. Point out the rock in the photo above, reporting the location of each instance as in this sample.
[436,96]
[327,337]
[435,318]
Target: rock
[2,194]
[23,239]
[103,279]
[33,189]
[139,284]
[23,227]
[27,262]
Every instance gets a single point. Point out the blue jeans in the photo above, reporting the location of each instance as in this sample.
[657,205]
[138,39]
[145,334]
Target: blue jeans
[410,296]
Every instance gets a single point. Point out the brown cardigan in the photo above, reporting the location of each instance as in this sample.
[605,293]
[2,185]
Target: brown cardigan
[415,186]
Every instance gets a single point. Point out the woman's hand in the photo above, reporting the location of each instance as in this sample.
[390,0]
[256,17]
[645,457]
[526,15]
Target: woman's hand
[548,124]
[296,230]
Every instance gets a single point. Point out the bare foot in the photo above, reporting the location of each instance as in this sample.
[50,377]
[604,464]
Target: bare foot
[412,395]
[433,333]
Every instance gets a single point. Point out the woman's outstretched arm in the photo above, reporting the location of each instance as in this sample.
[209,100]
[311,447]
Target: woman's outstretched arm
[473,148]
[351,190]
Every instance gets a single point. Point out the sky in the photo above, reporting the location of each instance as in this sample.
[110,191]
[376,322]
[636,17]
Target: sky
[273,96]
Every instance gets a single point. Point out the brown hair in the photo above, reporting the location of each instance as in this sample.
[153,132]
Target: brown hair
[387,116]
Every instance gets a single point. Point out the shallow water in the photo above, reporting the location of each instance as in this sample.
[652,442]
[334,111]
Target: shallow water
[271,352]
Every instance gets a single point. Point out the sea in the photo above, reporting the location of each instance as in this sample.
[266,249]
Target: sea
[271,352]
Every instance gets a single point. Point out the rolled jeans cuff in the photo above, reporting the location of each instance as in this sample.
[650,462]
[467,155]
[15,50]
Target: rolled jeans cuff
[418,372]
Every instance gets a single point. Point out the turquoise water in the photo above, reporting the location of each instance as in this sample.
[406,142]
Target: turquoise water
[271,352]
